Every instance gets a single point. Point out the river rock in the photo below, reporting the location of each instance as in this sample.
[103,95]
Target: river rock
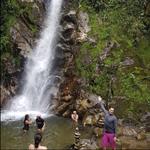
[88,144]
[127,62]
[66,98]
[68,31]
[93,119]
[93,99]
[62,108]
[129,131]
[82,104]
[141,136]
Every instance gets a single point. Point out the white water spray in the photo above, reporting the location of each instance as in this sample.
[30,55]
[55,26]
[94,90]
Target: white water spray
[35,96]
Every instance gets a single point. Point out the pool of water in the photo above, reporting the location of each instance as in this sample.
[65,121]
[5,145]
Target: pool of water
[58,134]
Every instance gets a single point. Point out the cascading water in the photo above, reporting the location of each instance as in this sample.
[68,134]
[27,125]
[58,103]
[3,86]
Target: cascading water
[35,96]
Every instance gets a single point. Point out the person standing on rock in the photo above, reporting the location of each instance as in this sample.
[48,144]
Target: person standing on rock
[110,124]
[74,117]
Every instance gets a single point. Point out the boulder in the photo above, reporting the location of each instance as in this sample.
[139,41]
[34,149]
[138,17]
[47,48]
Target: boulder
[127,62]
[141,136]
[88,144]
[70,17]
[83,20]
[66,98]
[62,108]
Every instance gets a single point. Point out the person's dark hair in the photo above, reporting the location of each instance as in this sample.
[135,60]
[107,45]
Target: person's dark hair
[37,139]
[26,117]
[38,117]
[110,106]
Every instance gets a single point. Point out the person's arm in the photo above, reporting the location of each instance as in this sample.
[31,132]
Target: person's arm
[103,108]
[115,125]
[72,117]
[76,118]
[28,122]
[102,105]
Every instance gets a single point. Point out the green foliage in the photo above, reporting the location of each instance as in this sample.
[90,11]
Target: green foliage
[11,11]
[122,23]
[136,92]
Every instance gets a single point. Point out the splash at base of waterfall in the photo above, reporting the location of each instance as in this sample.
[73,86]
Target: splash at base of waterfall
[19,111]
[17,115]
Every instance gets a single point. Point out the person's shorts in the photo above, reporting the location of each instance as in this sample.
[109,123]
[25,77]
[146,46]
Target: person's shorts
[108,140]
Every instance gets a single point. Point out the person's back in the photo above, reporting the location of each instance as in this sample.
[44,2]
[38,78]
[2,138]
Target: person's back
[39,122]
[37,141]
[32,147]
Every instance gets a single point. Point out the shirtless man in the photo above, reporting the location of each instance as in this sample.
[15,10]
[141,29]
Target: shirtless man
[40,123]
[74,117]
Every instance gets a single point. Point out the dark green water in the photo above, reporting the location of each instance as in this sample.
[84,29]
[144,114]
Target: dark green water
[58,134]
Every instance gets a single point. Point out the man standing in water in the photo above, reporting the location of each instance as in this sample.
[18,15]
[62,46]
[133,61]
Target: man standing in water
[74,117]
[40,123]
[110,124]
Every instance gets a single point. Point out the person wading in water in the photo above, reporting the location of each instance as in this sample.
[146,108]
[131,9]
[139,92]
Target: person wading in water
[110,124]
[37,141]
[27,121]
[40,124]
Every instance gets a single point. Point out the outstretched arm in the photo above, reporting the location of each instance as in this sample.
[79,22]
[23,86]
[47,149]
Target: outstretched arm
[103,108]
[102,105]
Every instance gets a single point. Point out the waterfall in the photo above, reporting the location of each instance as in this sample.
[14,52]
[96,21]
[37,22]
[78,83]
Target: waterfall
[34,97]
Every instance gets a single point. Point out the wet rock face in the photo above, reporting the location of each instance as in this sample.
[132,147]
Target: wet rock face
[65,53]
[146,121]
[23,34]
[74,28]
[83,20]
[22,38]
